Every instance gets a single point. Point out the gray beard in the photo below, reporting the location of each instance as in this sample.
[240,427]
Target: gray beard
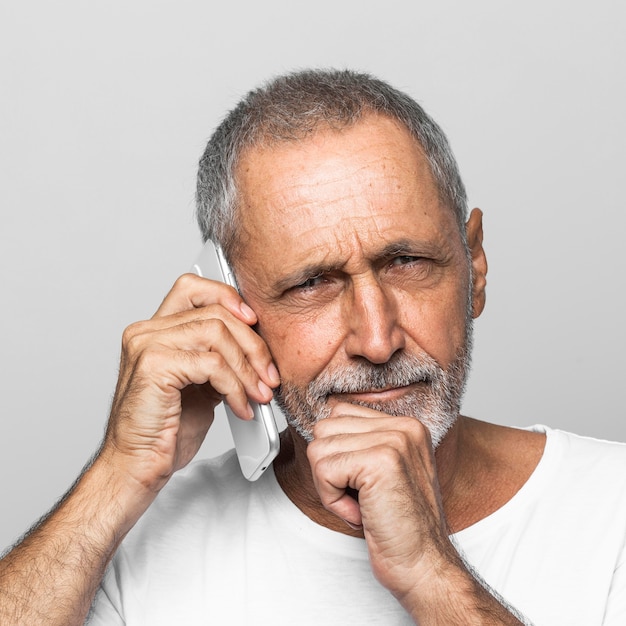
[435,401]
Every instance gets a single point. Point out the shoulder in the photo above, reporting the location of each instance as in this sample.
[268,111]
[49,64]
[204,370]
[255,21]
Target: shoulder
[540,465]
[587,459]
[542,445]
[585,452]
[579,471]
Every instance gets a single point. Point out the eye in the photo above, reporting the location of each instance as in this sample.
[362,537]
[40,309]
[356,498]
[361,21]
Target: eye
[310,283]
[313,292]
[405,259]
[409,267]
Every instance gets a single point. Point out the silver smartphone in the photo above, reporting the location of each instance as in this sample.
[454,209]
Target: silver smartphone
[256,441]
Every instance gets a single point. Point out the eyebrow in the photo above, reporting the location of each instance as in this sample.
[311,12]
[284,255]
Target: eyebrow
[311,270]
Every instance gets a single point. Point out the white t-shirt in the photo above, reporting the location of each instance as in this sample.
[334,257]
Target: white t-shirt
[216,549]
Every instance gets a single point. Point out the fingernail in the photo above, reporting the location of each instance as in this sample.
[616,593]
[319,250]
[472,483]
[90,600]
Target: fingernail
[354,526]
[273,374]
[250,411]
[247,312]
[265,390]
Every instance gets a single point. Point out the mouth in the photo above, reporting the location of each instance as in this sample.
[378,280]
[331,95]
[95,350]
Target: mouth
[379,395]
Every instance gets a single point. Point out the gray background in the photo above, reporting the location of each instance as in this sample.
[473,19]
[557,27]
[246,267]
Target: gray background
[106,107]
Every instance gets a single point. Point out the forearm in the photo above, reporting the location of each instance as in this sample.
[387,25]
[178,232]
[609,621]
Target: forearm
[457,595]
[51,577]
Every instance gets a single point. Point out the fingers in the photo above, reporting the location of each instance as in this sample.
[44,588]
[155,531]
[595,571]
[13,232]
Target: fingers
[191,291]
[201,315]
[230,356]
[180,368]
[370,470]
[205,329]
[364,459]
[377,456]
[346,421]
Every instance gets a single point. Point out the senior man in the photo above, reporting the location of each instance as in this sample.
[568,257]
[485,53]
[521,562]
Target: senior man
[339,205]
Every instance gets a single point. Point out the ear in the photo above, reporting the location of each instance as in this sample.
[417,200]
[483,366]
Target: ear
[474,230]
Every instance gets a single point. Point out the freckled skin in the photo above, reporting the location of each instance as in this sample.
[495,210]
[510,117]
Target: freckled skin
[337,200]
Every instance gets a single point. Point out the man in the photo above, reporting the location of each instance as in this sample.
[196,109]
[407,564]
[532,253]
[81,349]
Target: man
[339,205]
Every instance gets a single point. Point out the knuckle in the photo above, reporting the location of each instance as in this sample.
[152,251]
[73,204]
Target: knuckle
[313,452]
[236,390]
[215,361]
[322,460]
[418,431]
[388,455]
[320,429]
[133,345]
[399,440]
[148,360]
[215,332]
[131,334]
[326,464]
[241,366]
[205,331]
[215,326]
[185,282]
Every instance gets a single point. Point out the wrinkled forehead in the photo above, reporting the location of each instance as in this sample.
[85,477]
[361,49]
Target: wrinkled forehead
[370,183]
[329,166]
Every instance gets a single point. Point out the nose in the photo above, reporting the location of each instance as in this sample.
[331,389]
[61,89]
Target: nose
[371,316]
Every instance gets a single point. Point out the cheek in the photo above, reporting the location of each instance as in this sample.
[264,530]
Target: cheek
[301,347]
[435,324]
[442,337]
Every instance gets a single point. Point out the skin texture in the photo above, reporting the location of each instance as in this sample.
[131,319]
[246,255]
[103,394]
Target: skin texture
[333,292]
[348,255]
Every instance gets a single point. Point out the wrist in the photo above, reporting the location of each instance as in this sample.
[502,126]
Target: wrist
[448,592]
[122,498]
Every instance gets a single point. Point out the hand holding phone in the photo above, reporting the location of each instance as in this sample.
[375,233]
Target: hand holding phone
[256,441]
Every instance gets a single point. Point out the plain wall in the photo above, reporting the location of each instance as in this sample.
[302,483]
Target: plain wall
[105,109]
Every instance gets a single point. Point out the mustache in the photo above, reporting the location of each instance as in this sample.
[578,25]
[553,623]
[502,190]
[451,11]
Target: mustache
[401,370]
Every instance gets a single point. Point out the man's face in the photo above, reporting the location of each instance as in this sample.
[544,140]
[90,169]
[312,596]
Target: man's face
[357,273]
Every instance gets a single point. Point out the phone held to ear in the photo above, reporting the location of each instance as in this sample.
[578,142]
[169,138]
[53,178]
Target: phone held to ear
[256,441]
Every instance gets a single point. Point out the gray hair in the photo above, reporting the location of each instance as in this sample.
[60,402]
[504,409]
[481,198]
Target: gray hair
[290,108]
